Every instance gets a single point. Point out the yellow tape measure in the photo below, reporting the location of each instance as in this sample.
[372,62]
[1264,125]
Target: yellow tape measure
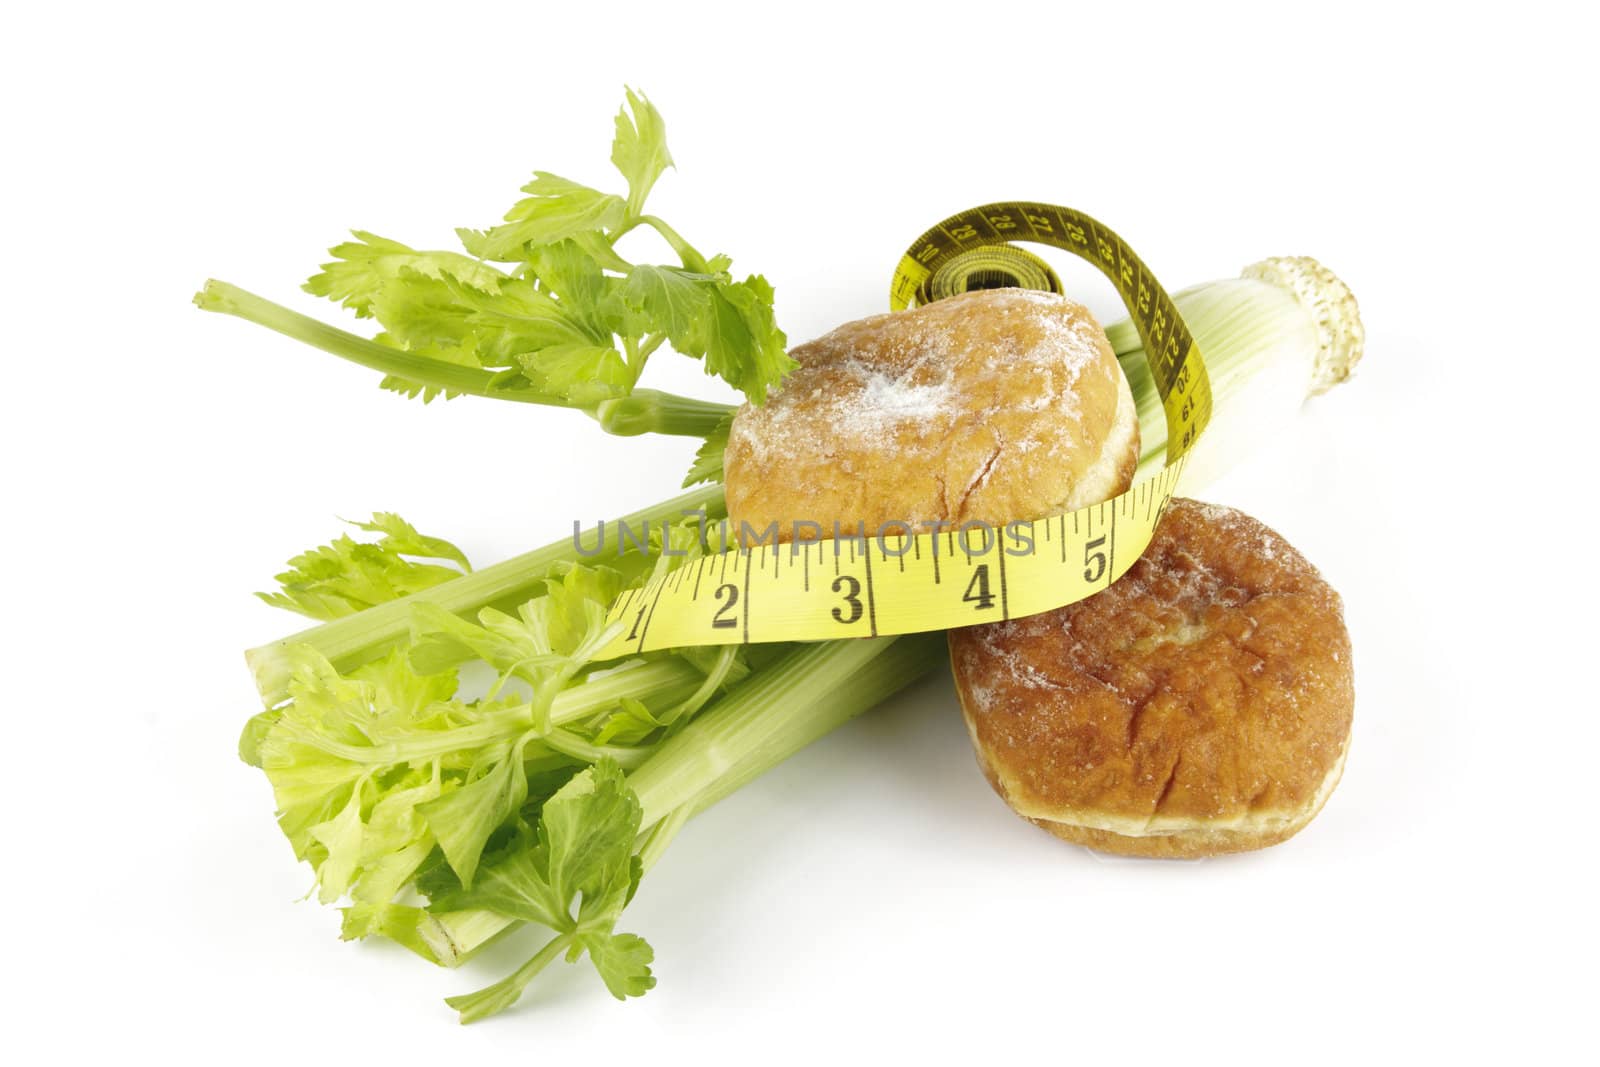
[905,582]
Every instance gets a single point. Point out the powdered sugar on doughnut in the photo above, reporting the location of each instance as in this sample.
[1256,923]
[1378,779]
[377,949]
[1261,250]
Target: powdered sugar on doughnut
[1210,686]
[986,405]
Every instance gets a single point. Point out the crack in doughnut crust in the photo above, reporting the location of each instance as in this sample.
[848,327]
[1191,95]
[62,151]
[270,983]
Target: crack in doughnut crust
[1200,705]
[993,405]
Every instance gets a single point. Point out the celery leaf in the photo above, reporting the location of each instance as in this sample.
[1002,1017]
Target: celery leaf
[362,269]
[346,576]
[707,465]
[639,151]
[463,819]
[744,345]
[623,961]
[586,373]
[672,301]
[554,210]
[583,855]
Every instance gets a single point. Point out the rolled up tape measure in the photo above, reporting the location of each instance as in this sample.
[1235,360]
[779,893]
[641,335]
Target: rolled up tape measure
[902,581]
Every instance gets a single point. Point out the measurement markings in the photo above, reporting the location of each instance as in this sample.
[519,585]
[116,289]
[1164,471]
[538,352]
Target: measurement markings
[1111,549]
[650,615]
[748,571]
[1005,606]
[872,599]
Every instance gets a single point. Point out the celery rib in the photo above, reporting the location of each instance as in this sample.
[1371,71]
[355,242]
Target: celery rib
[810,692]
[776,713]
[475,381]
[356,639]
[641,411]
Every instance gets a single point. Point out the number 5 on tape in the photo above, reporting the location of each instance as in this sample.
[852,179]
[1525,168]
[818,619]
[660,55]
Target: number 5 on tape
[906,583]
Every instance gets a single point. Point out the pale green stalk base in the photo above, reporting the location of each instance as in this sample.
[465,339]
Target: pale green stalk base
[1270,340]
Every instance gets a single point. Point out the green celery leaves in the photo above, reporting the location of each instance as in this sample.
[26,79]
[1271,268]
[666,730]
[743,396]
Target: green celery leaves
[639,151]
[566,319]
[555,209]
[346,576]
[583,855]
[467,776]
[500,800]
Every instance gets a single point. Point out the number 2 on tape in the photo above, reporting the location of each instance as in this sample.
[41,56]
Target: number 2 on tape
[906,582]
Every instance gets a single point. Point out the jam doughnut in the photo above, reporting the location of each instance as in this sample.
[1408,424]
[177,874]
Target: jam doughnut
[1200,705]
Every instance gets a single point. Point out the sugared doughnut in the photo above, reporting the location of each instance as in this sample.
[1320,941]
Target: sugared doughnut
[992,405]
[1200,705]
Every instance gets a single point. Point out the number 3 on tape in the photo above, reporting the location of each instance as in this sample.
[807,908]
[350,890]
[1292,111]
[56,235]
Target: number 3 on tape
[903,583]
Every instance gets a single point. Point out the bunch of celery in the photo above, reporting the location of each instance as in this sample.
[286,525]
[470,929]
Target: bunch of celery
[544,795]
[442,749]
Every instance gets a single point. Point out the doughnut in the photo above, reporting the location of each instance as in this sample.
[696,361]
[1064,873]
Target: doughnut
[1200,705]
[992,405]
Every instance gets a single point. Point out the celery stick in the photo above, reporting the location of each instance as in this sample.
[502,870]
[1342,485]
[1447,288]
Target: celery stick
[774,714]
[349,642]
[907,660]
[813,690]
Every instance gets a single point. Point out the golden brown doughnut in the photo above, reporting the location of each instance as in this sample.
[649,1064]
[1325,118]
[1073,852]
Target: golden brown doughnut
[992,405]
[1200,705]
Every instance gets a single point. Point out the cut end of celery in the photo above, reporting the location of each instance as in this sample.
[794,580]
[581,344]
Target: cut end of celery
[454,936]
[432,934]
[1341,339]
[214,296]
[270,668]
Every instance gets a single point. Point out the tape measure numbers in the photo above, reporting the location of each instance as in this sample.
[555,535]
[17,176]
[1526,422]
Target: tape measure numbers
[906,580]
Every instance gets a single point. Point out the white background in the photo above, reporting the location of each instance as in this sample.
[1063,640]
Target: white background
[872,895]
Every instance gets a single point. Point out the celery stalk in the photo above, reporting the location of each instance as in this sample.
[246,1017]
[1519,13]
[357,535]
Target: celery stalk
[453,377]
[641,411]
[894,667]
[1283,332]
[779,711]
[811,691]
[349,642]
